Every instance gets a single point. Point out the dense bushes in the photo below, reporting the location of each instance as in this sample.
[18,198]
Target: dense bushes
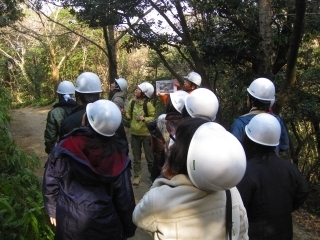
[21,205]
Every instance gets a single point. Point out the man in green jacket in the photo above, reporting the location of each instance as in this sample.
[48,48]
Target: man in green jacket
[59,111]
[141,113]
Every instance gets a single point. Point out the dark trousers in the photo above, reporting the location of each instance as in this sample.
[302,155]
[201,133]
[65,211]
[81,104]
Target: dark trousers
[137,142]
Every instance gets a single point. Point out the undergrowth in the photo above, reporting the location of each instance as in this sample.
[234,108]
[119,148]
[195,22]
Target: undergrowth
[22,214]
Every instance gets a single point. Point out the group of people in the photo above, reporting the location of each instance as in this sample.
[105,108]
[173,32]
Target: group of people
[207,182]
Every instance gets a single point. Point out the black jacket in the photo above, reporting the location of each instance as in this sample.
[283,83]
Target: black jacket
[91,198]
[271,189]
[74,121]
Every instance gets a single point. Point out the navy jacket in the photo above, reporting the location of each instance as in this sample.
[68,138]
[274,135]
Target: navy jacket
[90,197]
[237,129]
[271,189]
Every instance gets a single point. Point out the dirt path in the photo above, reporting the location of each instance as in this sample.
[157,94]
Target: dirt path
[27,129]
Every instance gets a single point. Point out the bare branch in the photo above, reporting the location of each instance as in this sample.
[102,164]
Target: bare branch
[69,52]
[162,13]
[73,31]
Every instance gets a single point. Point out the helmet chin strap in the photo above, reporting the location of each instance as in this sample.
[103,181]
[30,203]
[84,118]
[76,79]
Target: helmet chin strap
[116,86]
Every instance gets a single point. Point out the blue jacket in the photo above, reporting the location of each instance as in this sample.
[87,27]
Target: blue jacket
[90,197]
[237,129]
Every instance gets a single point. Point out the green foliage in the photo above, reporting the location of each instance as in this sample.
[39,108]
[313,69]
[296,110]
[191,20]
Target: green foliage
[37,69]
[22,213]
[10,11]
[225,36]
[100,13]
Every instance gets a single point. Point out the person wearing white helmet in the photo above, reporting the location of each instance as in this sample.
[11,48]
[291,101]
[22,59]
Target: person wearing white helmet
[201,103]
[261,93]
[161,128]
[60,111]
[86,186]
[140,112]
[118,92]
[272,187]
[87,90]
[192,81]
[163,97]
[190,201]
[159,142]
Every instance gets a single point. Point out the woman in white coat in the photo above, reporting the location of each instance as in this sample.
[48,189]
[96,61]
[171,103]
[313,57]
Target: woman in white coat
[189,202]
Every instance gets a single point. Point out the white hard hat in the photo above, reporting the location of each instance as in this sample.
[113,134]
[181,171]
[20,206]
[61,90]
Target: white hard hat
[194,77]
[104,117]
[216,159]
[122,83]
[178,99]
[272,103]
[88,82]
[264,129]
[65,87]
[202,103]
[146,88]
[162,116]
[262,89]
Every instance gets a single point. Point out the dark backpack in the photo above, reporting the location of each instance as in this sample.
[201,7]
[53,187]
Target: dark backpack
[145,107]
[67,110]
[126,122]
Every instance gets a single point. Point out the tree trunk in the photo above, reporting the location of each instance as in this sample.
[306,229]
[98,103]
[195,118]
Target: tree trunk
[108,33]
[55,76]
[316,128]
[290,80]
[192,48]
[265,53]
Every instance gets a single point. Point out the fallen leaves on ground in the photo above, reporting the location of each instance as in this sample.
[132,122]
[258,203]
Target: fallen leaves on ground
[308,222]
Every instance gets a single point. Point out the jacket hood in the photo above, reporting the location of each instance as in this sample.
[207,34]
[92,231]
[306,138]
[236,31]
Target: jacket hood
[122,94]
[69,103]
[88,161]
[116,94]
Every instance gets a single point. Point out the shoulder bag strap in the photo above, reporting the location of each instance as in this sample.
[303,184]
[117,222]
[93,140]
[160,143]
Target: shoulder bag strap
[228,216]
[132,106]
[145,107]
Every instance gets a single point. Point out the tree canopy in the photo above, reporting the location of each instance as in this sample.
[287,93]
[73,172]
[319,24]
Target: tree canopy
[10,11]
